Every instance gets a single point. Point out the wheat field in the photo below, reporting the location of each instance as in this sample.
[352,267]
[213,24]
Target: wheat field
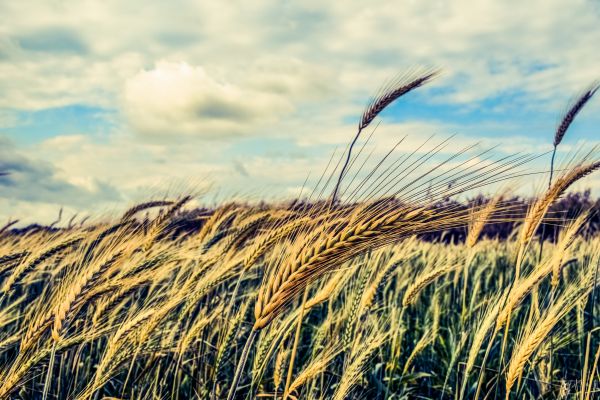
[325,299]
[124,310]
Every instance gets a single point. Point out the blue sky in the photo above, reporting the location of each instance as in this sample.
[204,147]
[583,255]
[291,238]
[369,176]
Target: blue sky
[108,103]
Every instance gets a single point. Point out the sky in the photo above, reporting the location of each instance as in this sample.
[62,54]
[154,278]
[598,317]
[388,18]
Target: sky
[106,103]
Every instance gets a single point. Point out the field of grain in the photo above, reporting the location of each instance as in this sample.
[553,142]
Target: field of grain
[323,299]
[314,304]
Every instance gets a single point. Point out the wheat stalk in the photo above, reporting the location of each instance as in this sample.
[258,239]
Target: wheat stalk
[312,262]
[541,206]
[83,285]
[423,281]
[52,251]
[540,331]
[356,366]
[387,96]
[572,112]
[563,247]
[130,213]
[314,368]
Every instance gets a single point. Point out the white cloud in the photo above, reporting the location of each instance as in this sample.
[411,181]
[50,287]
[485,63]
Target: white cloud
[485,47]
[8,119]
[176,98]
[191,72]
[31,183]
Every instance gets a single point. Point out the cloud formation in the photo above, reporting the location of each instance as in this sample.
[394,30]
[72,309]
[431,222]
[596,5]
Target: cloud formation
[73,48]
[254,94]
[53,40]
[37,185]
[176,98]
[26,179]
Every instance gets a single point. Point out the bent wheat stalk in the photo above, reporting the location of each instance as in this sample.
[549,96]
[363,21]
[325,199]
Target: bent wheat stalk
[394,91]
[538,333]
[368,230]
[566,121]
[540,207]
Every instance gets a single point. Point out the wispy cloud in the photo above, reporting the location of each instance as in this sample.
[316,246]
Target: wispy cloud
[32,181]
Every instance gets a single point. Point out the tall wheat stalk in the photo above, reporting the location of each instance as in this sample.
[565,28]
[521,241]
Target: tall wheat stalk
[567,120]
[532,339]
[538,210]
[387,95]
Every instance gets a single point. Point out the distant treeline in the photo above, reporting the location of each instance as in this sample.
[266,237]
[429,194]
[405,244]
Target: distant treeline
[565,209]
[515,208]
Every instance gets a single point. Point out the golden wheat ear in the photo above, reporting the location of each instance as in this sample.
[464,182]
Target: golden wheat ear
[144,206]
[388,94]
[392,91]
[539,209]
[536,333]
[572,112]
[568,118]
